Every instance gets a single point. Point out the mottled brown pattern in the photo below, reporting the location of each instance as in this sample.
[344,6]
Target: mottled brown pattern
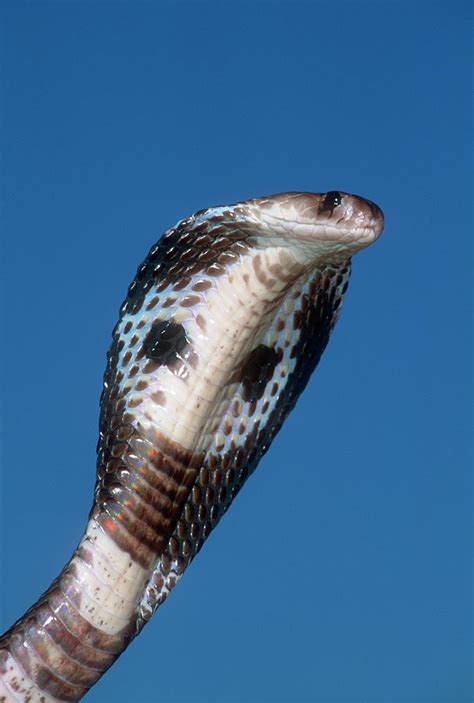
[58,601]
[142,493]
[37,670]
[57,648]
[77,649]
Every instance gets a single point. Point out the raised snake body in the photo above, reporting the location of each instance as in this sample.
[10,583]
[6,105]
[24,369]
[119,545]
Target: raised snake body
[225,321]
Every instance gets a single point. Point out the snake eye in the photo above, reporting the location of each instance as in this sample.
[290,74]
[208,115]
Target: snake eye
[331,200]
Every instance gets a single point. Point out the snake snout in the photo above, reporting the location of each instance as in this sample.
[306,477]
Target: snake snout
[360,214]
[376,218]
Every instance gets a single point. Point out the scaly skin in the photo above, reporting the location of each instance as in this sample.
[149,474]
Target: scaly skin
[220,332]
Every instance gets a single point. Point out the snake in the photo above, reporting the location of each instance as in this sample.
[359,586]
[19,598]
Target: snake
[221,328]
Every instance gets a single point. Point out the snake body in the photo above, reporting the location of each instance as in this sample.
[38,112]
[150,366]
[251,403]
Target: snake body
[221,329]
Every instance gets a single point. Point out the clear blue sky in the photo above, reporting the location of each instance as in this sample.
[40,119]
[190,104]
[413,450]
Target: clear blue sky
[121,118]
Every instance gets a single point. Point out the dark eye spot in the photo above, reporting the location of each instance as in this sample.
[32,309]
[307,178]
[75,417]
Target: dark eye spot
[331,200]
[165,341]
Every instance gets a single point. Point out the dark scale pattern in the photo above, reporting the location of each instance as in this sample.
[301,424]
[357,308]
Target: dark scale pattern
[140,518]
[165,341]
[142,493]
[224,472]
[198,243]
[190,248]
[257,369]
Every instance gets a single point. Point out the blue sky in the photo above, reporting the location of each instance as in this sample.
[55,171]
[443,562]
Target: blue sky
[118,120]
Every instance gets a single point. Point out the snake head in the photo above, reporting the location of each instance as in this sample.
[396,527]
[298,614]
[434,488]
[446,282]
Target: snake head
[329,226]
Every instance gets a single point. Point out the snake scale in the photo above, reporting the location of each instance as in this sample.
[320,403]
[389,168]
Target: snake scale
[220,331]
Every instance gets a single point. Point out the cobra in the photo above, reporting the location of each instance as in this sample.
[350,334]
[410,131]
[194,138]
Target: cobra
[221,329]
